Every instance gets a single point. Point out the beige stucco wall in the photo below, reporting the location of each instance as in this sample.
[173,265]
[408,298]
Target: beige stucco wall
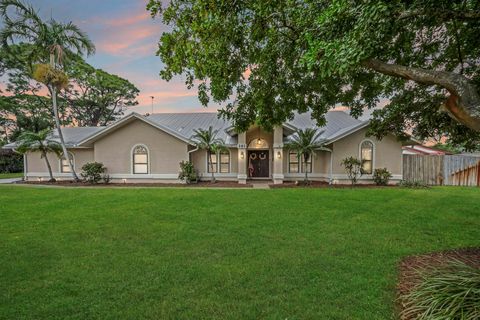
[36,165]
[165,151]
[387,152]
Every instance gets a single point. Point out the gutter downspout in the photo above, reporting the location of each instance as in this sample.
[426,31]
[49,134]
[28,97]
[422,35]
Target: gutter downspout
[190,154]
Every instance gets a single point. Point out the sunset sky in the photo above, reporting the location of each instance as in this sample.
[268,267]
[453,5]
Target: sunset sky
[126,39]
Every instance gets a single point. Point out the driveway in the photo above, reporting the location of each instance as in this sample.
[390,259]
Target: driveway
[11,180]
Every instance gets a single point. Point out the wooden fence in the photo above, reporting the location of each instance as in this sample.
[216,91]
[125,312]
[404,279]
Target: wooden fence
[453,170]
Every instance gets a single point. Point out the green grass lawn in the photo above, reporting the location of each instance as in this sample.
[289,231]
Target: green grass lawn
[105,253]
[11,175]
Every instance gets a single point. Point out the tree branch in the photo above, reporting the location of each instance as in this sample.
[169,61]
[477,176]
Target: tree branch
[463,104]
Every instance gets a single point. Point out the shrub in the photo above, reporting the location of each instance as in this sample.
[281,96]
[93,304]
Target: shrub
[10,161]
[106,178]
[417,184]
[451,291]
[381,176]
[353,166]
[93,172]
[187,172]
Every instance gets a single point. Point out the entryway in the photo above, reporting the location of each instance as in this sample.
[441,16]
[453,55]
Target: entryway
[258,164]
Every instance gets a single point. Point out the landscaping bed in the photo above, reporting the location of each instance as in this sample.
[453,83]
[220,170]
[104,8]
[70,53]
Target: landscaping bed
[202,184]
[409,276]
[323,184]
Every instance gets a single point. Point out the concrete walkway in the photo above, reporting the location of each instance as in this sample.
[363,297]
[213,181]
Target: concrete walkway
[11,180]
[260,185]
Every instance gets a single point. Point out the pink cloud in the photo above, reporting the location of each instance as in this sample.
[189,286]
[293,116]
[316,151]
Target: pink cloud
[128,20]
[128,41]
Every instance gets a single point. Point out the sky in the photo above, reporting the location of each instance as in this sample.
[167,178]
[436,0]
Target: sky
[126,39]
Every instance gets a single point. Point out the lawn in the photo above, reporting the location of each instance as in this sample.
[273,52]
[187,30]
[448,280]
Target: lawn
[151,253]
[11,175]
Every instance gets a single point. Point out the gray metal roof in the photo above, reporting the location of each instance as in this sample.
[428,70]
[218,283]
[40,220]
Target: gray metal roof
[185,123]
[339,123]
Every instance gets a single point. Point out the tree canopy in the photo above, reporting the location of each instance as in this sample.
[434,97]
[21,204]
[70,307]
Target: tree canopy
[268,59]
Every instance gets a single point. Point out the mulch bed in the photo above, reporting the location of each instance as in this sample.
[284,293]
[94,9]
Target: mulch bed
[202,184]
[408,275]
[323,184]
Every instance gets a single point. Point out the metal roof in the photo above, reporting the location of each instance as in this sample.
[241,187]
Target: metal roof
[182,125]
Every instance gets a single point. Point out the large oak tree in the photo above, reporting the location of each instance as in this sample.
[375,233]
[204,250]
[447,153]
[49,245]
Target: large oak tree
[420,58]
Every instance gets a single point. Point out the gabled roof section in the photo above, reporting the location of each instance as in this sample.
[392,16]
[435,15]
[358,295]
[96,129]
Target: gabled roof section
[125,120]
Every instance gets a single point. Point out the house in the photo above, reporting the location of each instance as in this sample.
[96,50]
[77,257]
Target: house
[138,149]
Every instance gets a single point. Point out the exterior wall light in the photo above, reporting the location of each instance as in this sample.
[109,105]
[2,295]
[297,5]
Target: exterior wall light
[279,155]
[242,155]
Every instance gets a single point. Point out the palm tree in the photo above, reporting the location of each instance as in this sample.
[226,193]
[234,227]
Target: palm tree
[305,143]
[50,39]
[207,140]
[39,142]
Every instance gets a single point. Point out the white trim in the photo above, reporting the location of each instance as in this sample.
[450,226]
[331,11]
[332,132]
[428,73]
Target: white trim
[373,154]
[61,164]
[45,174]
[364,177]
[148,160]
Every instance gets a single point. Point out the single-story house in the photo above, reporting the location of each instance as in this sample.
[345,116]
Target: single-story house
[139,148]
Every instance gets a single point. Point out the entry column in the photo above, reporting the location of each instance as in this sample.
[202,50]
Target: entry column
[242,156]
[278,155]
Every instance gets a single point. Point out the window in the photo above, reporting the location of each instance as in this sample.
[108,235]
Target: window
[213,165]
[140,160]
[308,164]
[258,144]
[295,164]
[224,162]
[293,161]
[366,156]
[64,167]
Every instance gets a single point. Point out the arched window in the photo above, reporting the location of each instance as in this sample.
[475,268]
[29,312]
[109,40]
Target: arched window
[140,160]
[64,167]
[366,156]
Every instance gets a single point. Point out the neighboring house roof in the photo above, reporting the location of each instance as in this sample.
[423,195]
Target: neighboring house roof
[182,125]
[423,150]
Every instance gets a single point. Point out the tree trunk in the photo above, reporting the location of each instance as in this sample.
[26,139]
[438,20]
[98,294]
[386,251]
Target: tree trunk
[211,167]
[305,160]
[52,179]
[53,92]
[463,104]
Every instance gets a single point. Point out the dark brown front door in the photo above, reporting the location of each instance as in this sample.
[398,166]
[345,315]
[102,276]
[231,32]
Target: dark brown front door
[258,164]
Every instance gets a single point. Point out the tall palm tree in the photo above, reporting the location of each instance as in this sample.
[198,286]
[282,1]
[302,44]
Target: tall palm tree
[207,140]
[305,143]
[50,39]
[39,142]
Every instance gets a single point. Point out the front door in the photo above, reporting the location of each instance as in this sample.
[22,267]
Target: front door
[258,165]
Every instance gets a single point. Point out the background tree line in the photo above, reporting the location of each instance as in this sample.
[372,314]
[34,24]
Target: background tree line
[93,97]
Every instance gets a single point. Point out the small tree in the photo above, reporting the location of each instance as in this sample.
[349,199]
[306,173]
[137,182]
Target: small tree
[39,142]
[305,143]
[207,140]
[381,176]
[353,167]
[187,172]
[93,172]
